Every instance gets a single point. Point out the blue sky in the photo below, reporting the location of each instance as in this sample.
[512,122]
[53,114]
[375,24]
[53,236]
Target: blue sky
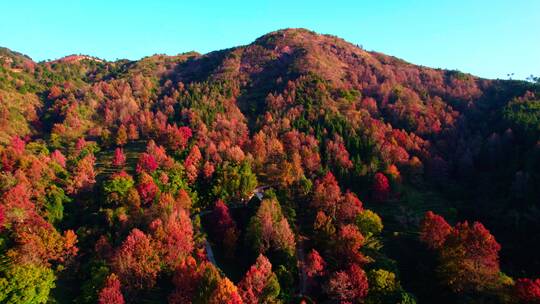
[489,38]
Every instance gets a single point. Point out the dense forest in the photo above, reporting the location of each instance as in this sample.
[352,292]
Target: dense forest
[297,169]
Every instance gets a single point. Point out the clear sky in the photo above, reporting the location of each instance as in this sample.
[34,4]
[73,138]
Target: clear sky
[489,38]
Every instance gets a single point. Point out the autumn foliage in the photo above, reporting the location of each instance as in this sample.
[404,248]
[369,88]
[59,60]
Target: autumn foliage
[111,293]
[298,166]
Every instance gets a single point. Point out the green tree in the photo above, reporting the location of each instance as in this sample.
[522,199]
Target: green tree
[54,207]
[117,188]
[234,182]
[25,283]
[369,223]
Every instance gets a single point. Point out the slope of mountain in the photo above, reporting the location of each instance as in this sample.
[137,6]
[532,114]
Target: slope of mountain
[126,175]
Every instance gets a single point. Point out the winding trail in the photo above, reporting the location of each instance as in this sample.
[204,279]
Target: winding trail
[258,192]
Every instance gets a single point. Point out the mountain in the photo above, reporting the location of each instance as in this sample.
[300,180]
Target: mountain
[299,167]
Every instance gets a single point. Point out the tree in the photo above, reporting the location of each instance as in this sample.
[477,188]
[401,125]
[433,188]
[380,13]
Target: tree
[117,188]
[528,291]
[25,283]
[434,230]
[260,284]
[225,293]
[369,223]
[381,187]
[111,294]
[136,262]
[2,217]
[147,188]
[175,237]
[177,137]
[340,287]
[469,259]
[192,163]
[147,163]
[84,176]
[359,281]
[384,287]
[324,228]
[314,264]
[326,194]
[17,145]
[59,158]
[121,136]
[208,284]
[349,207]
[337,153]
[348,244]
[54,206]
[186,278]
[119,158]
[349,286]
[269,229]
[234,182]
[37,242]
[225,227]
[382,280]
[54,92]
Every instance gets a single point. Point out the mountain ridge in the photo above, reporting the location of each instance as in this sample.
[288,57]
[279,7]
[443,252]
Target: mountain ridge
[384,181]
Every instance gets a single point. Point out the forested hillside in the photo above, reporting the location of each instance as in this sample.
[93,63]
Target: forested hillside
[297,169]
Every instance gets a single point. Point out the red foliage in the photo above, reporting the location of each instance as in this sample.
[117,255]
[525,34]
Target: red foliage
[17,144]
[252,285]
[208,170]
[18,198]
[111,294]
[381,187]
[9,161]
[182,200]
[2,217]
[186,278]
[340,288]
[326,194]
[81,144]
[469,258]
[147,189]
[349,207]
[225,293]
[133,133]
[177,137]
[158,152]
[350,239]
[337,153]
[349,286]
[136,261]
[222,219]
[433,230]
[119,158]
[359,280]
[314,264]
[38,242]
[147,163]
[304,145]
[84,176]
[54,92]
[175,237]
[192,163]
[59,158]
[527,290]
